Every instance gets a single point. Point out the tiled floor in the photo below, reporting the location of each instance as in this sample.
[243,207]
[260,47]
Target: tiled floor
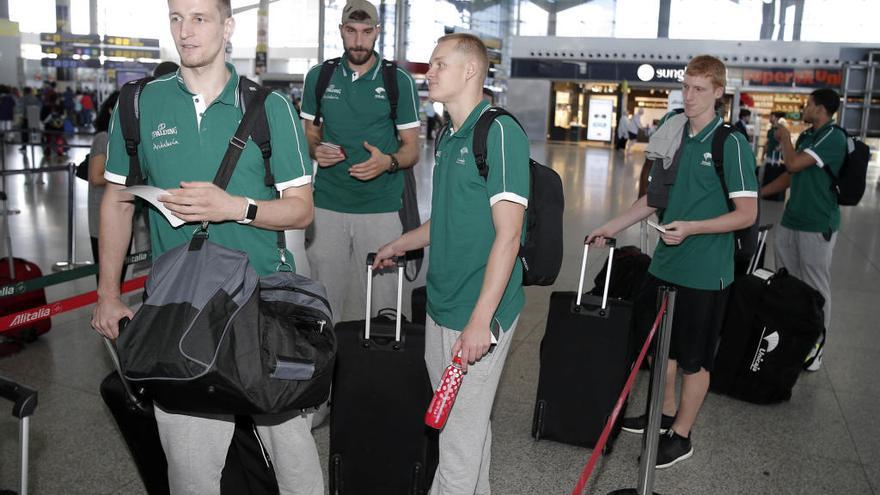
[826,440]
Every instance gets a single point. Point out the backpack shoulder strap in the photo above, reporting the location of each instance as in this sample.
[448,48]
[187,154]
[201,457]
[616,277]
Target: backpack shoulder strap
[247,90]
[389,79]
[718,139]
[438,137]
[327,70]
[481,136]
[129,123]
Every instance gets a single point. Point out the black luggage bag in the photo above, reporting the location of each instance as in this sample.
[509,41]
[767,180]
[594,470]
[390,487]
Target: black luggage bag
[586,354]
[378,439]
[770,328]
[247,470]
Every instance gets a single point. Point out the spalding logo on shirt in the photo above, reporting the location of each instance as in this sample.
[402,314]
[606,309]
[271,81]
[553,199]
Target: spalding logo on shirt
[164,137]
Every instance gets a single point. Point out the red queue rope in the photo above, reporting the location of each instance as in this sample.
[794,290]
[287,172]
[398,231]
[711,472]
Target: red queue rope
[23,318]
[603,439]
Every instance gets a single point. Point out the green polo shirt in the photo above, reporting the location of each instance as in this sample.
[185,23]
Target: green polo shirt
[182,139]
[812,206]
[462,229]
[354,109]
[704,261]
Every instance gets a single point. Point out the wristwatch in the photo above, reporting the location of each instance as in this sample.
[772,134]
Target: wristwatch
[395,165]
[251,213]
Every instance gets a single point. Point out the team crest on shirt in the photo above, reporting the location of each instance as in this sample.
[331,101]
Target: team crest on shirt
[707,160]
[164,137]
[380,94]
[461,154]
[332,92]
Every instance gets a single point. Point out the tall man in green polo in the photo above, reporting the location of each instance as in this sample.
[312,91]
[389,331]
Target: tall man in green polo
[474,285]
[805,238]
[358,185]
[695,253]
[187,119]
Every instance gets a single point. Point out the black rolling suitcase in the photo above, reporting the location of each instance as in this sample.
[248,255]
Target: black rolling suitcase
[586,354]
[773,321]
[24,403]
[378,439]
[248,469]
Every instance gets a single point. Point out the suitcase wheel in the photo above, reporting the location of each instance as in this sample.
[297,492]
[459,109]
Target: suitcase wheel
[28,335]
[538,419]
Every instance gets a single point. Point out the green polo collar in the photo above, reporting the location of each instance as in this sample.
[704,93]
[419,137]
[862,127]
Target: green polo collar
[826,125]
[709,129]
[229,95]
[471,121]
[370,73]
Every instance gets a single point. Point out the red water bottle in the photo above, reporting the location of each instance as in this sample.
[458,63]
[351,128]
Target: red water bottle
[444,397]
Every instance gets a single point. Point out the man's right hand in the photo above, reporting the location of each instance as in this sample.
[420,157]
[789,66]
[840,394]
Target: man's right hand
[106,316]
[385,255]
[327,156]
[598,236]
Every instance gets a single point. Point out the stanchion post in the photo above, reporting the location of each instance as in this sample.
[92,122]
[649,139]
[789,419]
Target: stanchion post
[71,262]
[651,437]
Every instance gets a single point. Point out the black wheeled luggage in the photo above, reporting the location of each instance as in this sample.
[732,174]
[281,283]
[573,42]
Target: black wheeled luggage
[378,439]
[586,354]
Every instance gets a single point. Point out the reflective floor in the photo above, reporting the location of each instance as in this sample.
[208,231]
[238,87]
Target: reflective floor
[826,440]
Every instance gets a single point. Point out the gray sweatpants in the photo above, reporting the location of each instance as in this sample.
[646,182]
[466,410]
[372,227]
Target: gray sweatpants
[196,448]
[466,440]
[807,256]
[337,245]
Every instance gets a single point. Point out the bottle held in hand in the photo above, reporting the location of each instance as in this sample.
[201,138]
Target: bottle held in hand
[444,397]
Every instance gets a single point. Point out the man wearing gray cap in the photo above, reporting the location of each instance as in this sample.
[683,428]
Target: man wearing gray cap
[360,144]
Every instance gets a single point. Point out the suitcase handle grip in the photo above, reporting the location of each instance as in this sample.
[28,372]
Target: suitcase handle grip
[611,243]
[24,398]
[401,265]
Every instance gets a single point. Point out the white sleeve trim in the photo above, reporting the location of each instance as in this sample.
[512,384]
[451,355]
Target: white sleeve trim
[296,129]
[298,182]
[306,116]
[743,194]
[114,178]
[409,125]
[509,196]
[815,155]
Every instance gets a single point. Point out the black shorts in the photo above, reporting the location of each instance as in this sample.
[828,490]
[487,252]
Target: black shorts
[696,323]
[633,136]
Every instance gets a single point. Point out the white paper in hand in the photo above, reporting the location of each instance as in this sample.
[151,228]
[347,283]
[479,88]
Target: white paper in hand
[151,195]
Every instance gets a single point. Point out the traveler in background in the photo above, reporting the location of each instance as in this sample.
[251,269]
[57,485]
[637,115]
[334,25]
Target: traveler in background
[805,238]
[474,282]
[773,166]
[742,124]
[200,102]
[358,188]
[633,126]
[695,254]
[622,132]
[430,118]
[30,109]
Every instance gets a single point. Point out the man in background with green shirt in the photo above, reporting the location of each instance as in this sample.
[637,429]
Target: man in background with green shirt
[358,186]
[804,241]
[695,251]
[187,119]
[474,284]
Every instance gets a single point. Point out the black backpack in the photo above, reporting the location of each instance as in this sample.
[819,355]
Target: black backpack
[746,239]
[541,253]
[849,187]
[409,212]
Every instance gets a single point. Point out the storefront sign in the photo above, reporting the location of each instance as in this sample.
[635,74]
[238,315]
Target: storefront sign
[599,120]
[803,78]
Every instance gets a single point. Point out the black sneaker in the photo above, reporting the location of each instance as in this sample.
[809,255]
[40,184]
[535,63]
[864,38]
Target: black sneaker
[673,448]
[638,425]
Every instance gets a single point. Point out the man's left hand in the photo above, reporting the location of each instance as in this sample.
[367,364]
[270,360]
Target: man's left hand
[377,164]
[473,343]
[203,201]
[676,232]
[782,133]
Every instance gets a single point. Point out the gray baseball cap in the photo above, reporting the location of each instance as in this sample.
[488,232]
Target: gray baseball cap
[364,6]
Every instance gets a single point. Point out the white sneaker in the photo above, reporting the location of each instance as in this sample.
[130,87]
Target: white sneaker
[816,364]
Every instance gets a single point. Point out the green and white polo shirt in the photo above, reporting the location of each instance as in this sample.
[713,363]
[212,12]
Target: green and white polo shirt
[182,139]
[354,109]
[704,261]
[462,229]
[812,206]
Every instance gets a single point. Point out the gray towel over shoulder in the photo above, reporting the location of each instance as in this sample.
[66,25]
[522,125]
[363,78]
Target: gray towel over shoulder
[663,152]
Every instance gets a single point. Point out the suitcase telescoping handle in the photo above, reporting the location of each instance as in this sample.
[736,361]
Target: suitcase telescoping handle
[401,265]
[24,401]
[611,243]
